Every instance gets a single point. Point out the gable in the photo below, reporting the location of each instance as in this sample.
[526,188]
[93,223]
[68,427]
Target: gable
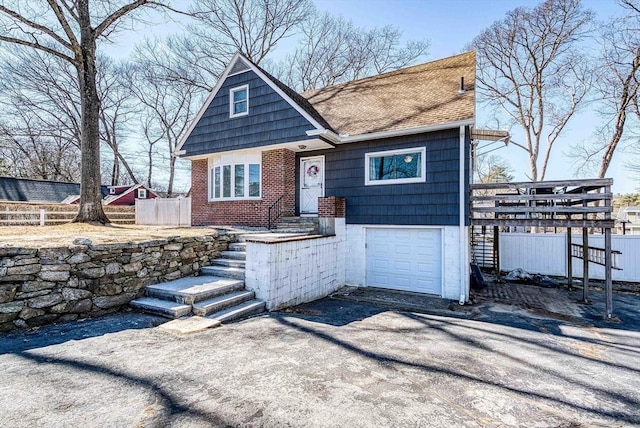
[271,119]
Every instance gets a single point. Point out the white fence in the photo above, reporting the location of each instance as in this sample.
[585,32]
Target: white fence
[546,254]
[164,212]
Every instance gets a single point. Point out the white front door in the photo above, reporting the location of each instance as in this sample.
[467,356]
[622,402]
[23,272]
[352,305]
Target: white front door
[311,184]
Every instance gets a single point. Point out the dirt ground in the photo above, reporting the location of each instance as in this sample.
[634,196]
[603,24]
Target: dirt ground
[62,235]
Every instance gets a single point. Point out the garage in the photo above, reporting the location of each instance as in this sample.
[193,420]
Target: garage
[404,259]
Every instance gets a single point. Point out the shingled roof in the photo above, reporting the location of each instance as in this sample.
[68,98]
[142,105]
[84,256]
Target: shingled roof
[44,191]
[422,95]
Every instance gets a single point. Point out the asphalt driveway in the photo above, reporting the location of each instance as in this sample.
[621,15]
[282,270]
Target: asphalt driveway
[331,363]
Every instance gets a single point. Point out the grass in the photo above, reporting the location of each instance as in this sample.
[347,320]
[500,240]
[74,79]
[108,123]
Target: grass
[64,234]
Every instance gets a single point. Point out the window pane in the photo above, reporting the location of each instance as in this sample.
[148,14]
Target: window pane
[217,182]
[254,179]
[392,167]
[240,107]
[239,181]
[226,181]
[240,95]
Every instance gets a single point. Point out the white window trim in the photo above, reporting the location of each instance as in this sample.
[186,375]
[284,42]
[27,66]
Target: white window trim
[211,178]
[141,193]
[231,103]
[421,179]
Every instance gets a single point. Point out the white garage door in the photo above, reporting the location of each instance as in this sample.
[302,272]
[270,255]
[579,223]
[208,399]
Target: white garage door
[404,259]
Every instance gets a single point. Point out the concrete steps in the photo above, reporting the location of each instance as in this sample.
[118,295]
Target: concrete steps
[218,293]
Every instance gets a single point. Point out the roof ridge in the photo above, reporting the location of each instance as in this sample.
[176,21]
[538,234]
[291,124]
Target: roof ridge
[385,74]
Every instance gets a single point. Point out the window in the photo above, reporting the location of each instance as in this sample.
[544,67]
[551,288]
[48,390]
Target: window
[395,167]
[239,101]
[142,193]
[233,182]
[112,190]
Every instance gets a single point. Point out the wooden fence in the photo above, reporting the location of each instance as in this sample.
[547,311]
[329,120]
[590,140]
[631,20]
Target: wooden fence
[47,217]
[164,211]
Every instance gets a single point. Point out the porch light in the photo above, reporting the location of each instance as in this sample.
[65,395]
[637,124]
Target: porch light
[408,158]
[302,146]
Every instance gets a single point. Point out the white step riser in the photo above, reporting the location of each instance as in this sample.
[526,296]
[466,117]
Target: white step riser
[228,263]
[160,307]
[226,272]
[244,310]
[203,308]
[234,255]
[196,297]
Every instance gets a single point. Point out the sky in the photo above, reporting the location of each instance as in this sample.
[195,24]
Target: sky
[450,25]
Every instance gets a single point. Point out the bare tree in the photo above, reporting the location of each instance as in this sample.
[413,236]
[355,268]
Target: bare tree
[333,50]
[530,66]
[492,169]
[252,27]
[70,31]
[617,84]
[167,110]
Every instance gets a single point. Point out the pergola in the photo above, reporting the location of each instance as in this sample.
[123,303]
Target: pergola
[567,204]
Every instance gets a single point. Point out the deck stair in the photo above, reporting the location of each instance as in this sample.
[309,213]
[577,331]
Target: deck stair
[218,293]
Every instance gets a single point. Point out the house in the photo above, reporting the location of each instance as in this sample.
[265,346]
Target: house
[56,192]
[395,147]
[38,191]
[127,195]
[628,220]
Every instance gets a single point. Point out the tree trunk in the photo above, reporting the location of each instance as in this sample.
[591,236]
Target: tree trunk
[172,173]
[90,209]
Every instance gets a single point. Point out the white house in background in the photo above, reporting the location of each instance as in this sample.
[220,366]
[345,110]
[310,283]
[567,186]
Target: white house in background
[629,220]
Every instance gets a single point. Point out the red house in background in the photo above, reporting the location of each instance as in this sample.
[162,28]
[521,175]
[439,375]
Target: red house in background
[127,195]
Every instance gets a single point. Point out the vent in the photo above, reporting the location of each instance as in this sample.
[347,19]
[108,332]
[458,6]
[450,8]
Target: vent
[239,67]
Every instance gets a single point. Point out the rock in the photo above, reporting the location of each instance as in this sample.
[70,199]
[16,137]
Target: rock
[20,323]
[11,307]
[7,326]
[78,248]
[142,273]
[68,317]
[25,296]
[78,258]
[58,276]
[81,306]
[82,241]
[45,301]
[7,292]
[42,319]
[3,271]
[15,278]
[132,267]
[7,262]
[93,272]
[28,313]
[27,261]
[4,318]
[187,253]
[105,302]
[75,294]
[31,286]
[173,247]
[112,268]
[52,256]
[109,289]
[16,251]
[24,269]
[61,308]
[73,282]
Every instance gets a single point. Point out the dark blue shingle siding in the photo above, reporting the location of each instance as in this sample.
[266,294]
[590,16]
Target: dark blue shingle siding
[271,120]
[434,202]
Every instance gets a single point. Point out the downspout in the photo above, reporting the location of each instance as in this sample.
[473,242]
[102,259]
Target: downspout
[463,242]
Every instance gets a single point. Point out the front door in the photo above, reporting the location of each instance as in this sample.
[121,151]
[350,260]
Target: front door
[311,184]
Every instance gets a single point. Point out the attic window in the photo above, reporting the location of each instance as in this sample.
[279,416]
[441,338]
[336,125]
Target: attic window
[395,166]
[142,193]
[239,101]
[112,190]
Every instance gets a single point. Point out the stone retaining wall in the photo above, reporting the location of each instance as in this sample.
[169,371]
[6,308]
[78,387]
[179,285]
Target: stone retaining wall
[44,285]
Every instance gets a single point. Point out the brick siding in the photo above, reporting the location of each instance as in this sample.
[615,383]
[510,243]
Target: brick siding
[331,207]
[278,179]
